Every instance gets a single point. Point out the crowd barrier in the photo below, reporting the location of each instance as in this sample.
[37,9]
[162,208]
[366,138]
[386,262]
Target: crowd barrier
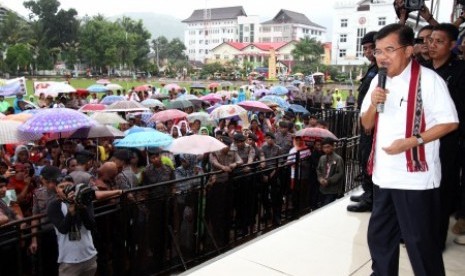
[156,229]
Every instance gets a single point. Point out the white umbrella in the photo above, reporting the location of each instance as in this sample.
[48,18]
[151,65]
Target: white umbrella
[9,133]
[108,118]
[114,86]
[152,103]
[126,106]
[196,144]
[58,87]
[203,117]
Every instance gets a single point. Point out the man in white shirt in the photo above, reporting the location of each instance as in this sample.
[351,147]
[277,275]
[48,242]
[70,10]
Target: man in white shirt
[405,161]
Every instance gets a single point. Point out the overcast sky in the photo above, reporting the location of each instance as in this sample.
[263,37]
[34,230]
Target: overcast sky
[318,11]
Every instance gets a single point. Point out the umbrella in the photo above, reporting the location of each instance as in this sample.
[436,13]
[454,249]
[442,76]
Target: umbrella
[316,132]
[20,117]
[227,111]
[97,88]
[203,117]
[260,92]
[145,139]
[192,98]
[279,90]
[297,109]
[9,133]
[167,115]
[212,98]
[103,81]
[97,131]
[213,107]
[226,84]
[160,96]
[196,144]
[172,86]
[2,115]
[57,88]
[112,99]
[56,120]
[142,88]
[224,93]
[296,82]
[275,99]
[179,104]
[152,103]
[82,92]
[255,106]
[108,118]
[92,108]
[126,106]
[198,86]
[213,85]
[136,129]
[113,86]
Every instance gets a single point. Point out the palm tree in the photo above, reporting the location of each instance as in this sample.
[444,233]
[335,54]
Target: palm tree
[308,50]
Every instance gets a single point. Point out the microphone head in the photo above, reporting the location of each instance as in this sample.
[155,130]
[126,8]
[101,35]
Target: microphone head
[382,71]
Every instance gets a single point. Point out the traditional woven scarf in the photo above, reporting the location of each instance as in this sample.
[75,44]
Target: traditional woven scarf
[416,157]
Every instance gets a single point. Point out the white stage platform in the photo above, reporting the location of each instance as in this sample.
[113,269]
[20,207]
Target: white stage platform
[329,241]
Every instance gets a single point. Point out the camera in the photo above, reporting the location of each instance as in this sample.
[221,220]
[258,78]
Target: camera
[83,194]
[414,5]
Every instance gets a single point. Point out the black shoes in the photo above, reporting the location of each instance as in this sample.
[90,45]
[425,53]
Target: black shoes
[362,206]
[357,198]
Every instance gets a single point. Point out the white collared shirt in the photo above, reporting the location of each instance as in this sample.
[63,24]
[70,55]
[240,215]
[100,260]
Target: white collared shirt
[390,171]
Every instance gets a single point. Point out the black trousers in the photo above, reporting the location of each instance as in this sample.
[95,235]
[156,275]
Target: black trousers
[414,215]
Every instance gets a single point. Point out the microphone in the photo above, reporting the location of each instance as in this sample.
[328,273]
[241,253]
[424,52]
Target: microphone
[382,72]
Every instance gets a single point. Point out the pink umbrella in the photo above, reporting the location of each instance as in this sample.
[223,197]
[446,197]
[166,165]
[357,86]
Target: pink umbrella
[213,85]
[255,106]
[92,108]
[167,115]
[213,98]
[172,86]
[315,132]
[103,81]
[196,144]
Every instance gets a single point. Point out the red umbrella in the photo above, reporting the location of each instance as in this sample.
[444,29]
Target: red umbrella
[103,81]
[167,115]
[255,106]
[92,107]
[142,88]
[213,85]
[82,92]
[315,132]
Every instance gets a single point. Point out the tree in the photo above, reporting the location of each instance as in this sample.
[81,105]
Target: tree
[18,58]
[308,50]
[14,30]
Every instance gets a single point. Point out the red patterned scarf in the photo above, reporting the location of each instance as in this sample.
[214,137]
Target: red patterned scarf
[416,157]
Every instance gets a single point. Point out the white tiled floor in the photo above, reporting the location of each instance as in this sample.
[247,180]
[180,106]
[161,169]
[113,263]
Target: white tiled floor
[330,241]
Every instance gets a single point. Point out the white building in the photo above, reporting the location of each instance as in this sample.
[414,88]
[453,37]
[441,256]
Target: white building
[352,20]
[288,26]
[206,29]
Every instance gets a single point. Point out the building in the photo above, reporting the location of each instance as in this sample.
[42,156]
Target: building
[352,21]
[255,54]
[287,26]
[210,28]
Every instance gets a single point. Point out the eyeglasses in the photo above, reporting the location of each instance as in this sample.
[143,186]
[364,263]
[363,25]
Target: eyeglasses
[419,40]
[387,51]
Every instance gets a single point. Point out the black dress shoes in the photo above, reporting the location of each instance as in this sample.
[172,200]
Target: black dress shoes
[357,198]
[362,206]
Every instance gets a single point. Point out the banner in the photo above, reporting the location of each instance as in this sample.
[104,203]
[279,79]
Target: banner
[41,87]
[9,88]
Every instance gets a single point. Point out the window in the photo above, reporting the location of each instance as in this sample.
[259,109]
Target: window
[226,57]
[277,28]
[217,57]
[342,52]
[286,57]
[360,33]
[266,29]
[277,39]
[344,23]
[381,21]
[246,28]
[343,38]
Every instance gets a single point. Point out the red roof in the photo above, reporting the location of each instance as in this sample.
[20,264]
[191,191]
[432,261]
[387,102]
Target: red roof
[262,45]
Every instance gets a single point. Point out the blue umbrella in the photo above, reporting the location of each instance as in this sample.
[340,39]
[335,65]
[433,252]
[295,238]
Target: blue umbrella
[136,129]
[97,88]
[145,139]
[297,109]
[279,90]
[275,99]
[112,99]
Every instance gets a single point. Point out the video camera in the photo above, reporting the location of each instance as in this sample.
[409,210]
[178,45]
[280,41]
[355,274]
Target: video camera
[83,194]
[414,5]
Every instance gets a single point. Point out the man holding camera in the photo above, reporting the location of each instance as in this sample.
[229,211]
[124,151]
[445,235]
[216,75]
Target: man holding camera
[72,216]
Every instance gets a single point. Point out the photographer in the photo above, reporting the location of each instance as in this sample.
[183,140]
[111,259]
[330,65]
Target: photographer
[72,215]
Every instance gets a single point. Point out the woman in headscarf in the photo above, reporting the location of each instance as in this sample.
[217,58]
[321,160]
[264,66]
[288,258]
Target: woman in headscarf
[175,132]
[183,127]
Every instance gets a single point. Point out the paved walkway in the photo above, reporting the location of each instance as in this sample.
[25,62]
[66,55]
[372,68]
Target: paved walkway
[330,241]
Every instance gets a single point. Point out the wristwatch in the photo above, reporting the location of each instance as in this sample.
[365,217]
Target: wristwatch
[419,139]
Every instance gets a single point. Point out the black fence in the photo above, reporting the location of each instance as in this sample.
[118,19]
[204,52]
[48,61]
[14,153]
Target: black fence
[158,229]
